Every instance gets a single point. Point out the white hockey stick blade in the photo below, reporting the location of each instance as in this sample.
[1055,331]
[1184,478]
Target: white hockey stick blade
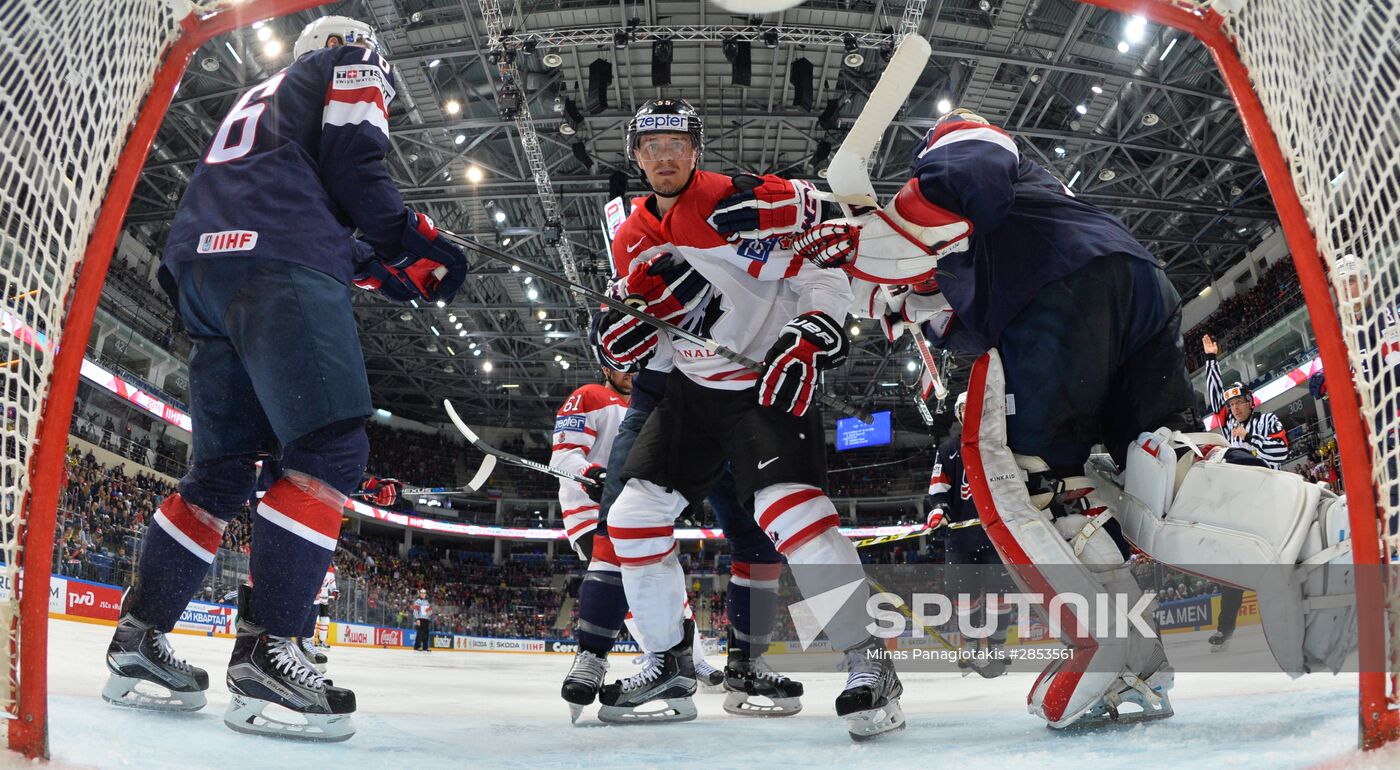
[488,464]
[483,473]
[848,174]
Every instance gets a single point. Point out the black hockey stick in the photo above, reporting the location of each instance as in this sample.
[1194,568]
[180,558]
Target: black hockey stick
[492,453]
[710,345]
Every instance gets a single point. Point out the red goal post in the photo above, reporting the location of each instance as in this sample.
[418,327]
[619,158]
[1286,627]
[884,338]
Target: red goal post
[1317,85]
[84,87]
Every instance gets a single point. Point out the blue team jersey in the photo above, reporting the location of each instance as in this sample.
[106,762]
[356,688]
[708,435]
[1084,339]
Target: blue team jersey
[1028,229]
[296,165]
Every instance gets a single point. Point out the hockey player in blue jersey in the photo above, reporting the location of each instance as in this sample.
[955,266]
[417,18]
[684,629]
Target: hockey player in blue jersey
[259,261]
[1077,329]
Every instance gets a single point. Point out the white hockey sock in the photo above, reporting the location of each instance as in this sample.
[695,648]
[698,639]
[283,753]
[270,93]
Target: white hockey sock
[829,562]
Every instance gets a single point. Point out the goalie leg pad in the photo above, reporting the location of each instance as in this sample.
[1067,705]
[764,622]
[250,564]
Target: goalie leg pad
[1042,562]
[1184,503]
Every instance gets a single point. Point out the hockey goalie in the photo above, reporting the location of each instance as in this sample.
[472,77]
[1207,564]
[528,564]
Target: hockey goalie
[1077,329]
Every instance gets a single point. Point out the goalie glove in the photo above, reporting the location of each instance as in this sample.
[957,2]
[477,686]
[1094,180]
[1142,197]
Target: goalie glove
[625,342]
[598,475]
[901,243]
[666,287]
[807,346]
[764,207]
[900,306]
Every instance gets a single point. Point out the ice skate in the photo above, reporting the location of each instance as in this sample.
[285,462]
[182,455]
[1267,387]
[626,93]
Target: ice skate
[1147,696]
[582,683]
[270,671]
[709,678]
[312,652]
[755,689]
[666,677]
[870,701]
[1219,641]
[147,675]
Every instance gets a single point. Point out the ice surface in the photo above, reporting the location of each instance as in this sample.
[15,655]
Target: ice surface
[461,709]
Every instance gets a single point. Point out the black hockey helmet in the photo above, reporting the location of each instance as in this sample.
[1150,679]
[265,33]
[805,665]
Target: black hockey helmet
[670,116]
[1238,390]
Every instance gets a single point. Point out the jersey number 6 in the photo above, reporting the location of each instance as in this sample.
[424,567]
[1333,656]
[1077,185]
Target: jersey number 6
[244,116]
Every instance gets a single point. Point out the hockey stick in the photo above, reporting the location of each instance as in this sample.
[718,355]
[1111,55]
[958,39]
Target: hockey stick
[492,454]
[709,345]
[848,175]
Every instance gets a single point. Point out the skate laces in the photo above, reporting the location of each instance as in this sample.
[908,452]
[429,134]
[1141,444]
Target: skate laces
[167,654]
[651,670]
[761,670]
[286,656]
[588,668]
[863,672]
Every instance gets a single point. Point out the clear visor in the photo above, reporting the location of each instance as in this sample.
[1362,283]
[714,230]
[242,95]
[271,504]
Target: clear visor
[658,147]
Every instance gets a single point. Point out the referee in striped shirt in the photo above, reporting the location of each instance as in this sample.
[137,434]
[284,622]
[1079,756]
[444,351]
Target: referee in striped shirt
[1261,435]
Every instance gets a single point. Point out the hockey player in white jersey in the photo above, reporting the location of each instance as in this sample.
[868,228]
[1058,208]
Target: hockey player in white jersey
[314,641]
[770,305]
[1077,329]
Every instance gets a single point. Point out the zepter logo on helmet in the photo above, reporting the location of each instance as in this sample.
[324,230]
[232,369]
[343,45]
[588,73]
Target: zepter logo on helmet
[340,30]
[666,116]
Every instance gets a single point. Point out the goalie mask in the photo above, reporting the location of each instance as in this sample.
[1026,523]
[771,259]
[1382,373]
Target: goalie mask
[342,30]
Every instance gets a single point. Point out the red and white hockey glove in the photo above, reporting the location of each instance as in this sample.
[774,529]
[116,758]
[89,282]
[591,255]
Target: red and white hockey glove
[666,287]
[764,207]
[598,475]
[936,517]
[625,342]
[898,244]
[807,346]
[900,306]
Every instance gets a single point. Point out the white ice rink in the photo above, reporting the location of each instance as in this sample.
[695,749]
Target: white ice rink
[460,709]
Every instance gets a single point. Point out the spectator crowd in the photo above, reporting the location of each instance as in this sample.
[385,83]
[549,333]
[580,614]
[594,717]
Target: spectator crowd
[1241,317]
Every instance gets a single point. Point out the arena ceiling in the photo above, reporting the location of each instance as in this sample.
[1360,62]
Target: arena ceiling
[1132,115]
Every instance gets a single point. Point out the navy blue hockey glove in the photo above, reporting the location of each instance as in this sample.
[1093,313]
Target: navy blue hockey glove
[435,267]
[807,346]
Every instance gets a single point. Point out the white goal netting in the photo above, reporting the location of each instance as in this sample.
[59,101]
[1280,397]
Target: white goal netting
[1327,73]
[73,75]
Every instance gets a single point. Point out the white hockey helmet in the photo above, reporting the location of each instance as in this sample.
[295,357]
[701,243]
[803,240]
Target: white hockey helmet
[959,405]
[343,29]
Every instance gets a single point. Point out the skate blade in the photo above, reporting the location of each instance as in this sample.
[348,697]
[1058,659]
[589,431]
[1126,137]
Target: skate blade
[867,725]
[745,705]
[575,711]
[130,692]
[675,710]
[248,715]
[1214,648]
[706,686]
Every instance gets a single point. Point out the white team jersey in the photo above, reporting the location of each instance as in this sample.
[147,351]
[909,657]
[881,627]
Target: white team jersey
[328,589]
[584,430]
[759,286]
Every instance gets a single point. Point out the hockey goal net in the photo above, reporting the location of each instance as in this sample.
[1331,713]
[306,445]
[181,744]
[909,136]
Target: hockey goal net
[1317,84]
[84,85]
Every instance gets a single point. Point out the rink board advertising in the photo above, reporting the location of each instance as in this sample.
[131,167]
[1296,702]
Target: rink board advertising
[852,433]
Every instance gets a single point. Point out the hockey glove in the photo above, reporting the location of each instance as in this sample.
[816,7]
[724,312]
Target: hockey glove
[435,267]
[898,306]
[808,345]
[901,243]
[598,475]
[386,281]
[624,341]
[765,207]
[936,516]
[666,287]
